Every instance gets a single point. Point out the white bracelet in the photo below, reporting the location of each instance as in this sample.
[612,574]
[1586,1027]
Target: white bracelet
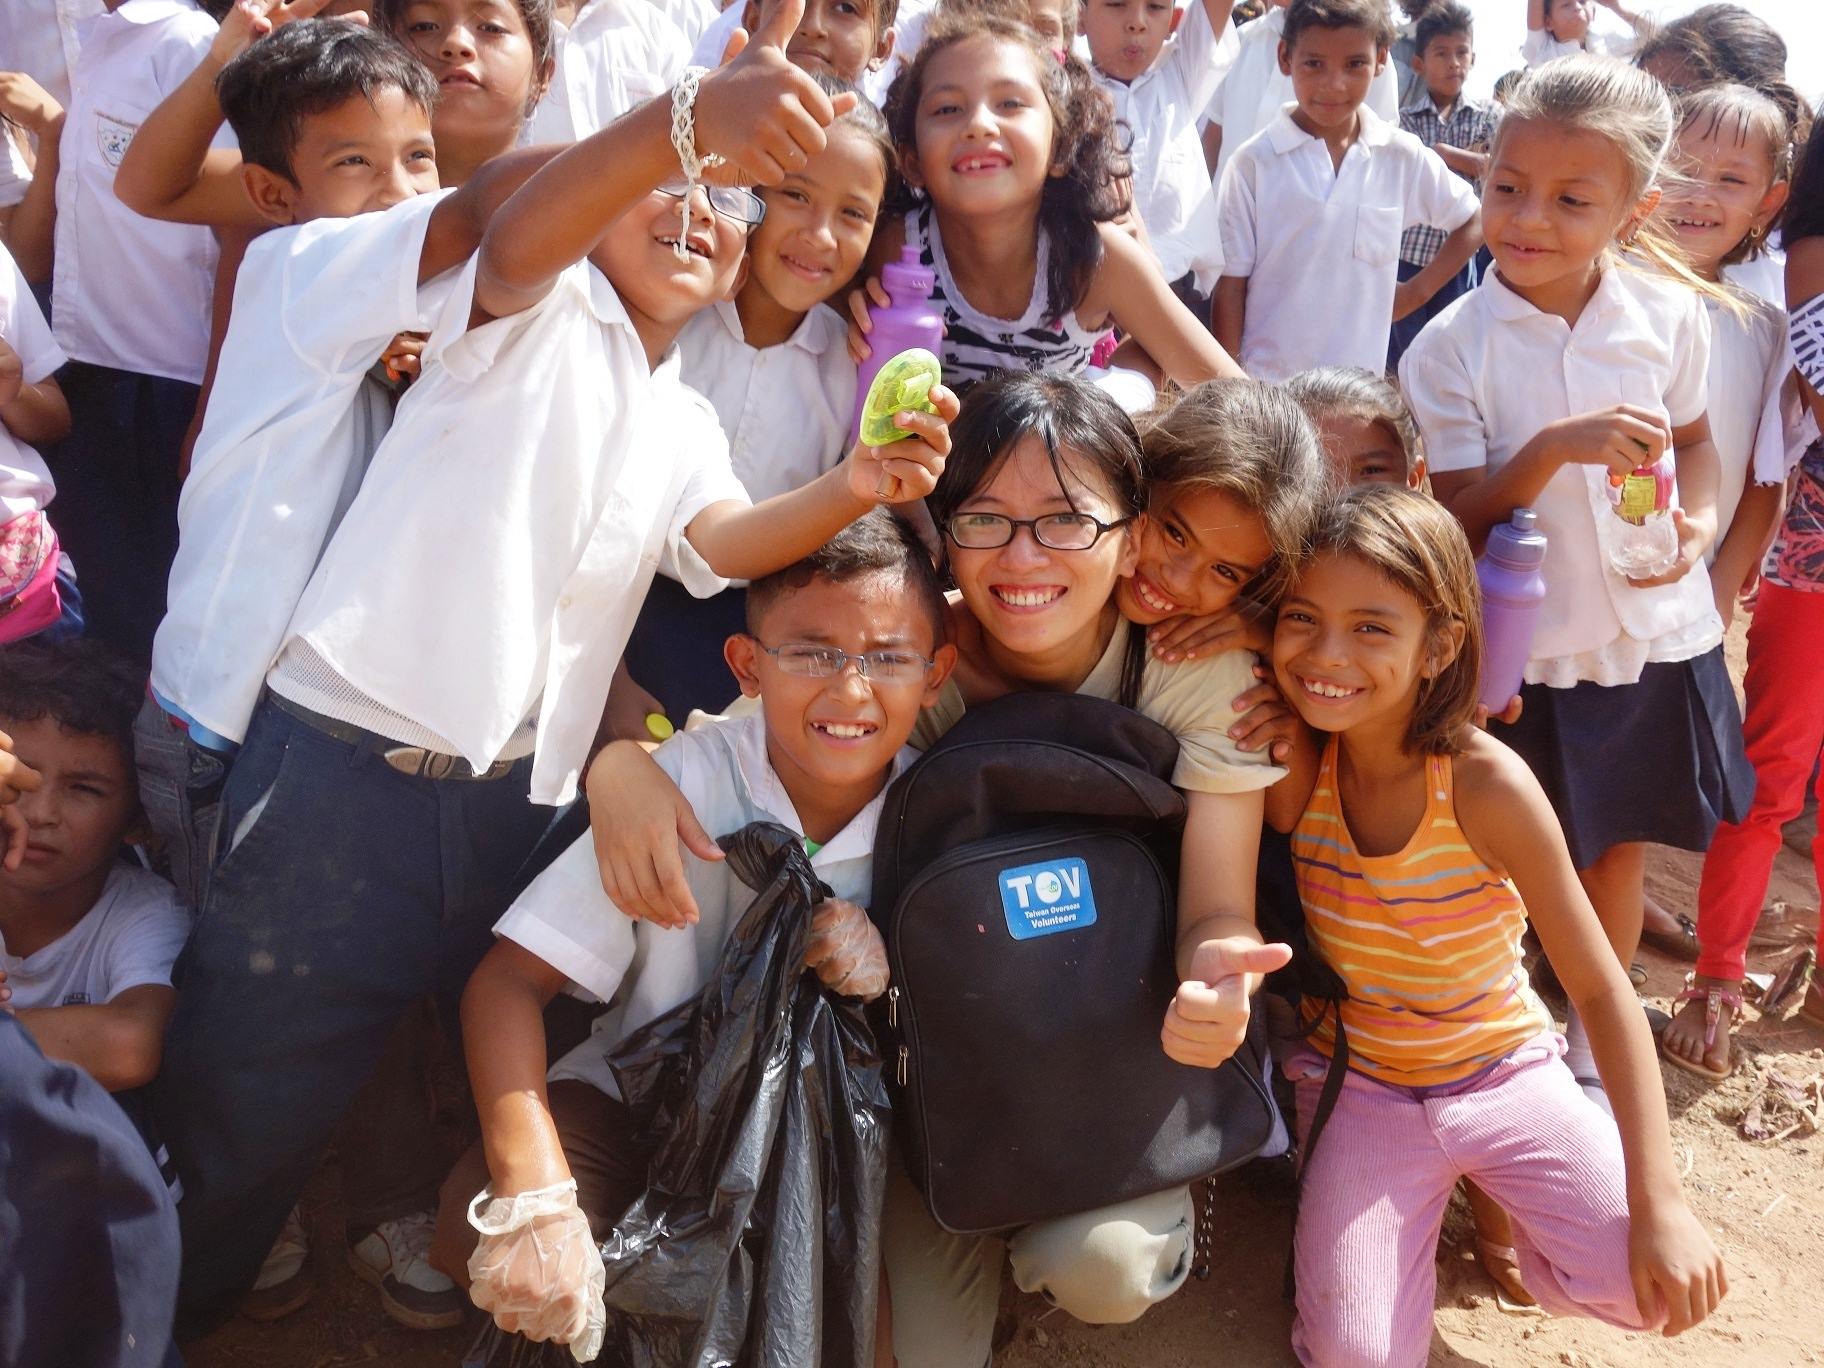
[684,143]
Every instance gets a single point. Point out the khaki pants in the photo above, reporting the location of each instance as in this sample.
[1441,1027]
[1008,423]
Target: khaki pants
[1104,1267]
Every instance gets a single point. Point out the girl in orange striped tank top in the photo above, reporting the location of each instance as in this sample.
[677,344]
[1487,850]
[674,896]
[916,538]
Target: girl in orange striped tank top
[1422,848]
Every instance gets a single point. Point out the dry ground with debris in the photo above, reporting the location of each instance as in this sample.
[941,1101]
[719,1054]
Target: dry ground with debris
[1763,1200]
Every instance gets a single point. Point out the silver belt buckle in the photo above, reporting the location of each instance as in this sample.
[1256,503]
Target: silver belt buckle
[430,764]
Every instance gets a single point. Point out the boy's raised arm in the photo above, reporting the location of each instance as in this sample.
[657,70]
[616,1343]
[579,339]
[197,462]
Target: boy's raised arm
[759,112]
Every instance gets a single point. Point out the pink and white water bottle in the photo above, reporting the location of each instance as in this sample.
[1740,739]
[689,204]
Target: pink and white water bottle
[1645,543]
[911,320]
[1513,586]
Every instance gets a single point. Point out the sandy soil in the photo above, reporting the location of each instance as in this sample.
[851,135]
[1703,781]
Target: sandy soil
[1764,1201]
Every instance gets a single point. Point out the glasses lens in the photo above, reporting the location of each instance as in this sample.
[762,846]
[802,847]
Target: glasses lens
[1068,531]
[815,661]
[733,202]
[895,667]
[980,531]
[675,188]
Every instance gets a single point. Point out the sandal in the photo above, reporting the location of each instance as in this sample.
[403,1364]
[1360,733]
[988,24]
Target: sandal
[1715,997]
[1502,1266]
[1680,944]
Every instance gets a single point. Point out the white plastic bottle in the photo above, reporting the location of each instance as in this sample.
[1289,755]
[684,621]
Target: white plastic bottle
[1646,540]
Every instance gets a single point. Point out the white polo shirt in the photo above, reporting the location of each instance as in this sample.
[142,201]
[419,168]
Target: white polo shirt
[785,409]
[25,482]
[1601,39]
[1750,360]
[618,54]
[129,292]
[1320,245]
[644,971]
[40,38]
[293,419]
[1491,370]
[1162,107]
[130,938]
[1255,90]
[491,566]
[15,171]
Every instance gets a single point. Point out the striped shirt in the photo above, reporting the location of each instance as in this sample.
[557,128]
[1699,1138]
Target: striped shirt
[1470,125]
[1427,941]
[976,345]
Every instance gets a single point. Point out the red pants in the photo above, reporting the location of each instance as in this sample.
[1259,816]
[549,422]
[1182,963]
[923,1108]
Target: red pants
[1784,734]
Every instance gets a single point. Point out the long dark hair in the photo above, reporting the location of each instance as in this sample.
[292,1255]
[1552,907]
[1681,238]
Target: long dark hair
[1087,143]
[1804,215]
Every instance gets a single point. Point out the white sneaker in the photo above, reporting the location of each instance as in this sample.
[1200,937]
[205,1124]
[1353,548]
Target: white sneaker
[284,1285]
[395,1257]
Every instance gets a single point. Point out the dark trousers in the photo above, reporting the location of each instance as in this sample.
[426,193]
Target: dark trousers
[675,653]
[116,505]
[1408,328]
[352,892]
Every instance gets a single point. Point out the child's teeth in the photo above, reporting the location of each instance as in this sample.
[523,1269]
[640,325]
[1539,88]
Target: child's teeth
[847,731]
[1323,690]
[1028,598]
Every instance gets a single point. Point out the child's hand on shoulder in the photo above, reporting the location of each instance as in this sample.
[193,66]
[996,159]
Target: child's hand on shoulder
[1208,1018]
[12,372]
[760,112]
[905,471]
[1677,1270]
[1244,627]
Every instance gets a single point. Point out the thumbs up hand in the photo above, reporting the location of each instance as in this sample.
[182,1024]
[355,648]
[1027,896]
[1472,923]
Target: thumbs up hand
[761,113]
[1208,1018]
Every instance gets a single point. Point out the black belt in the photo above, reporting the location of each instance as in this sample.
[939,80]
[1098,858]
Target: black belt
[417,761]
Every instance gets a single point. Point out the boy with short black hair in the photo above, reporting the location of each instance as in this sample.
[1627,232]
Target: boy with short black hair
[1456,127]
[843,650]
[1313,207]
[86,941]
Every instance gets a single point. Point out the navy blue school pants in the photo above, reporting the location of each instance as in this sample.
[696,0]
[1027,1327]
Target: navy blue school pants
[346,893]
[1406,329]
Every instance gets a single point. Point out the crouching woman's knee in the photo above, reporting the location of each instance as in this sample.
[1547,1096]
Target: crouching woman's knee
[1106,1267]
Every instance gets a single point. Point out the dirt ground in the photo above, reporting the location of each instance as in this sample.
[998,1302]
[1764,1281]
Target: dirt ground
[1763,1201]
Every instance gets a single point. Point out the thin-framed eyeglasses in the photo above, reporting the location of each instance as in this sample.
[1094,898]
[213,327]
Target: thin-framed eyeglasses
[1057,531]
[820,662]
[730,201]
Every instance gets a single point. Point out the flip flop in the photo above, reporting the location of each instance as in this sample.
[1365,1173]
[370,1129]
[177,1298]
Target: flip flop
[1715,997]
[1500,1264]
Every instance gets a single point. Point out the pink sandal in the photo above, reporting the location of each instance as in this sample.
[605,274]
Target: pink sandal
[1715,997]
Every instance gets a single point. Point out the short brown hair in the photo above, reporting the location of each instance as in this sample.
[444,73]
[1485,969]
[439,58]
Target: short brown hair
[1371,15]
[1420,548]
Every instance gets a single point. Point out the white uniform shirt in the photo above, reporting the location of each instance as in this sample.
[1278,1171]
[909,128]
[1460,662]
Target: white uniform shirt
[1320,245]
[618,54]
[1255,90]
[25,483]
[689,17]
[1602,39]
[129,292]
[1750,360]
[1491,370]
[41,38]
[130,938]
[292,422]
[644,971]
[1162,107]
[498,551]
[15,171]
[786,409]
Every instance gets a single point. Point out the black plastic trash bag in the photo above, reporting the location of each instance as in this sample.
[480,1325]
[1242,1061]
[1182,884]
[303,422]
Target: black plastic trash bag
[757,1240]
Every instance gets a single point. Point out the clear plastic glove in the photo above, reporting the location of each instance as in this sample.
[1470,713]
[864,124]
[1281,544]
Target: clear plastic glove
[846,951]
[537,1270]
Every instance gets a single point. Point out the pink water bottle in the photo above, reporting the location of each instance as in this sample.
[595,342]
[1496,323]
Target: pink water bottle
[910,320]
[1513,587]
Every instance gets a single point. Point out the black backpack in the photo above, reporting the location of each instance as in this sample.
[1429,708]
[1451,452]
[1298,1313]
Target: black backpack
[1024,876]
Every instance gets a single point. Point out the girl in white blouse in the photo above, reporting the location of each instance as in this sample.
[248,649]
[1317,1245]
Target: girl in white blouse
[1569,364]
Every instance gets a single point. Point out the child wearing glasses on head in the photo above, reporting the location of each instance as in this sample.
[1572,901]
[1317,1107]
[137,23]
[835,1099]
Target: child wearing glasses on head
[842,649]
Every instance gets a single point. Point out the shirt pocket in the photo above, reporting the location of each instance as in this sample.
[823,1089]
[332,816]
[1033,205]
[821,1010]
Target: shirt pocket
[1377,234]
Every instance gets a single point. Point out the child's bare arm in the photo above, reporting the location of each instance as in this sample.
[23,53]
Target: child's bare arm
[1129,288]
[1228,311]
[38,413]
[1452,256]
[760,112]
[1505,816]
[638,818]
[1287,800]
[119,1042]
[1744,544]
[503,1035]
[1535,15]
[31,235]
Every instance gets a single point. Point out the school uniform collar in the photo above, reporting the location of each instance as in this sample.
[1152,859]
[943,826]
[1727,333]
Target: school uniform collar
[766,793]
[152,11]
[1508,307]
[1285,136]
[809,336]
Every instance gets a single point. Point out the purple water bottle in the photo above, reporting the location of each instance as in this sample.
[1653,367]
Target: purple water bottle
[1512,590]
[910,320]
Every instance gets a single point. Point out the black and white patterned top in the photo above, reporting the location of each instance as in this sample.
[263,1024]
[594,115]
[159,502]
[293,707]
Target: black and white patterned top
[976,345]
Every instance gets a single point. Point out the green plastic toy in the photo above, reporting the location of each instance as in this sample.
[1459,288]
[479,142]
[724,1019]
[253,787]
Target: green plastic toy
[903,385]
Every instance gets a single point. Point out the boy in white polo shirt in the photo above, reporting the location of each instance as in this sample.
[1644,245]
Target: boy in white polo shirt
[1160,75]
[446,670]
[842,650]
[1313,208]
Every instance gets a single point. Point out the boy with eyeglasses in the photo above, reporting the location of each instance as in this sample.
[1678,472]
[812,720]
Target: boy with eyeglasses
[842,650]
